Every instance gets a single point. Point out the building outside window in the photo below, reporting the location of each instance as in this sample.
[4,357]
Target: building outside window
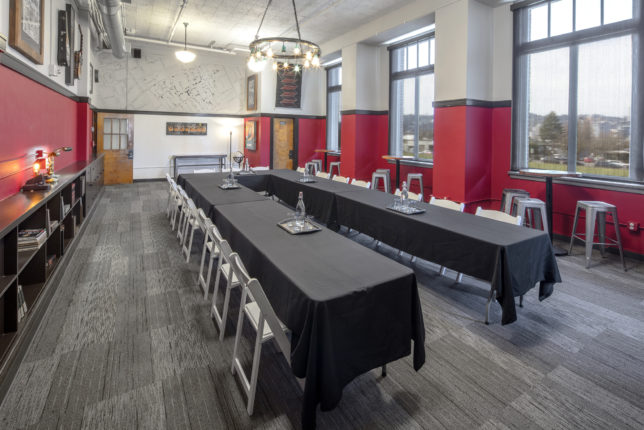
[411,114]
[333,107]
[575,99]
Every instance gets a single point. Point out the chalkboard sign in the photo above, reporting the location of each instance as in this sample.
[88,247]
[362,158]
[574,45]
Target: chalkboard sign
[289,87]
[186,129]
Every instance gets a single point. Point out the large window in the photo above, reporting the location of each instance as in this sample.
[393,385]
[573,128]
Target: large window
[333,106]
[411,115]
[576,80]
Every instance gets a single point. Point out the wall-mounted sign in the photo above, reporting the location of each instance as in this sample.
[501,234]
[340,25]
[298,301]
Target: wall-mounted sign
[289,87]
[251,135]
[186,129]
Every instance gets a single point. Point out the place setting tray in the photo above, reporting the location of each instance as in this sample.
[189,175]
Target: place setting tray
[234,186]
[407,210]
[306,180]
[289,225]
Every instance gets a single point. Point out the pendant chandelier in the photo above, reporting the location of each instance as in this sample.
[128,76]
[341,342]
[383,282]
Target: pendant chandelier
[185,56]
[297,54]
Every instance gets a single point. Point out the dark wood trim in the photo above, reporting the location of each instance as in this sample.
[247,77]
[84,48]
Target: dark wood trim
[364,112]
[283,115]
[296,143]
[149,112]
[150,180]
[472,102]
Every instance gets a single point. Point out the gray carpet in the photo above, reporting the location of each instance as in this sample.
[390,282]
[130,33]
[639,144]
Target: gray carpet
[128,343]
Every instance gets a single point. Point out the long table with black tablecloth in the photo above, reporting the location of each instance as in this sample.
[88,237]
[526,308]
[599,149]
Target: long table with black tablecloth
[203,189]
[349,308]
[512,258]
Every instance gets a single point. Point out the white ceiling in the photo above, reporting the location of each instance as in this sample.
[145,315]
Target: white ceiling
[233,23]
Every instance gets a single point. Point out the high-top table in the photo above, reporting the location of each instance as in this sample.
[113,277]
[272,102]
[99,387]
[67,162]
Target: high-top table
[397,158]
[326,152]
[549,175]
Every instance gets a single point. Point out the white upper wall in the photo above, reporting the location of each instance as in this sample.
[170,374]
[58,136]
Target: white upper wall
[451,51]
[479,51]
[51,43]
[502,54]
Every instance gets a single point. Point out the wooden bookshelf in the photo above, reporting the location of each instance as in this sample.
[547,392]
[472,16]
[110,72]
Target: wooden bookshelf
[79,186]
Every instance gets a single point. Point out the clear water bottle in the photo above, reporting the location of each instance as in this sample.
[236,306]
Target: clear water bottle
[300,211]
[404,194]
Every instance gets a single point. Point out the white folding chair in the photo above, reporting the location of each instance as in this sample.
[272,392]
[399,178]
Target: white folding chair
[191,224]
[410,195]
[223,268]
[448,204]
[210,247]
[359,183]
[183,216]
[339,178]
[322,175]
[257,309]
[502,217]
[170,194]
[175,203]
[301,170]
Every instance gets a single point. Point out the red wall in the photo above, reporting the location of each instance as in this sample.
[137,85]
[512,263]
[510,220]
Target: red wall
[34,117]
[364,141]
[630,207]
[261,156]
[311,136]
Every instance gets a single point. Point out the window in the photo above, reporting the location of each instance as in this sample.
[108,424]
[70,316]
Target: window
[115,134]
[411,114]
[575,97]
[333,106]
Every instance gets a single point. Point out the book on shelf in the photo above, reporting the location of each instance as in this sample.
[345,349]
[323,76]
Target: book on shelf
[73,186]
[22,303]
[31,238]
[66,208]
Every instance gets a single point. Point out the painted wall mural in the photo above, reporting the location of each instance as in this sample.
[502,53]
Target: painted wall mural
[158,82]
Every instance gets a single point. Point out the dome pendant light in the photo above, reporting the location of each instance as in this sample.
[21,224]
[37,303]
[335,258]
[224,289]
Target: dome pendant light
[185,56]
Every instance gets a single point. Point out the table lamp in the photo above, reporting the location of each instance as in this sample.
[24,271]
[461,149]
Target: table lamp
[50,160]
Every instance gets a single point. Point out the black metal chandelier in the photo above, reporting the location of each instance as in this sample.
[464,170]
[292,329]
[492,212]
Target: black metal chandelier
[291,52]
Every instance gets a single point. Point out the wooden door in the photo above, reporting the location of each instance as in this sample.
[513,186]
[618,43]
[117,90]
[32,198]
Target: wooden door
[115,140]
[283,151]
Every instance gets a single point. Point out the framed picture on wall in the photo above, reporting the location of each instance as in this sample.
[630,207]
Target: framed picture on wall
[250,135]
[26,28]
[251,92]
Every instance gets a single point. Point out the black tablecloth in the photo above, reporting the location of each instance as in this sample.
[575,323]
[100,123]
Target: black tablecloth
[512,258]
[349,308]
[319,196]
[203,189]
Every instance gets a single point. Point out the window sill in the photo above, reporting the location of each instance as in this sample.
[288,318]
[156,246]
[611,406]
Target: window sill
[416,163]
[586,182]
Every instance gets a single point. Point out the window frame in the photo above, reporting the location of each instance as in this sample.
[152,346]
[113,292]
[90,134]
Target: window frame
[415,73]
[522,48]
[330,89]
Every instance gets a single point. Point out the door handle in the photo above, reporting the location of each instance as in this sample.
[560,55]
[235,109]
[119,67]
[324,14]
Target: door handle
[290,154]
[130,154]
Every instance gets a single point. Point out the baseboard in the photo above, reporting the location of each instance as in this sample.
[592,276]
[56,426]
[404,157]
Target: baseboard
[610,249]
[149,180]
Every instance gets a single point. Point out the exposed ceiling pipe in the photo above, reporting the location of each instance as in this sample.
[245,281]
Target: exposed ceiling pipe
[180,45]
[176,20]
[113,22]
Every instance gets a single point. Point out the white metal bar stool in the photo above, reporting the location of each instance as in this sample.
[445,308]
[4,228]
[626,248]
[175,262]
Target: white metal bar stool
[448,204]
[508,197]
[311,168]
[334,165]
[383,174]
[596,213]
[526,208]
[415,177]
[318,165]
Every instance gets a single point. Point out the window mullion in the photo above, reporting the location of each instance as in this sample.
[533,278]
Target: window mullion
[417,112]
[572,108]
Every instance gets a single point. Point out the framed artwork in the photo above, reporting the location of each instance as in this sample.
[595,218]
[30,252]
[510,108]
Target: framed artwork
[250,135]
[251,92]
[26,28]
[289,87]
[186,129]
